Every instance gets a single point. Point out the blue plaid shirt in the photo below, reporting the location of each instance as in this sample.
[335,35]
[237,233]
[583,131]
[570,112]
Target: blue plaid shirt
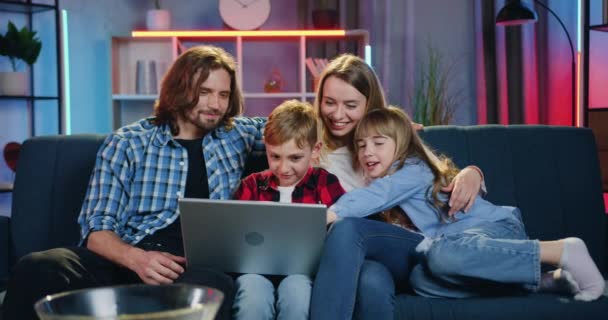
[140,172]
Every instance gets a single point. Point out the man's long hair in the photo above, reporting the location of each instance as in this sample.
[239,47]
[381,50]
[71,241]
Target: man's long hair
[180,89]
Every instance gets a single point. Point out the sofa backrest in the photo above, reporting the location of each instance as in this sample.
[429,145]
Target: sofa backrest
[52,176]
[551,173]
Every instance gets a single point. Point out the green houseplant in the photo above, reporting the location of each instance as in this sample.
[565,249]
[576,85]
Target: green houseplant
[19,46]
[432,100]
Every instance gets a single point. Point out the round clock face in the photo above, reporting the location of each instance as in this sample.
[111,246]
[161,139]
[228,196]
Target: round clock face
[244,14]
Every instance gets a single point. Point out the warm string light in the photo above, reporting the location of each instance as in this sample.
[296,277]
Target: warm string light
[239,33]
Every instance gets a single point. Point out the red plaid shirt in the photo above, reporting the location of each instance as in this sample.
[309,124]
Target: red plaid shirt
[317,186]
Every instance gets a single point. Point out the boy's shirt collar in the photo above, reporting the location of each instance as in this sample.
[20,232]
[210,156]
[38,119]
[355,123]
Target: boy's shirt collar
[268,180]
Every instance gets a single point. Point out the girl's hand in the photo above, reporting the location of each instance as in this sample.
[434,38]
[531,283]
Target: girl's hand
[464,188]
[331,216]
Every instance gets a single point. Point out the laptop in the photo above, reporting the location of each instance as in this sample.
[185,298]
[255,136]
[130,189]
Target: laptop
[259,237]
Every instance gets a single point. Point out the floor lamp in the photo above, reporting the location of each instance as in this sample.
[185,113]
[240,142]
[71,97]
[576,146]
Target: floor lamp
[516,13]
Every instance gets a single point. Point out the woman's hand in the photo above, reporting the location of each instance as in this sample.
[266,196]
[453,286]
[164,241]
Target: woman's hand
[331,216]
[464,189]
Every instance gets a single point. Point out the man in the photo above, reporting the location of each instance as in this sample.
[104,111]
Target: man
[130,232]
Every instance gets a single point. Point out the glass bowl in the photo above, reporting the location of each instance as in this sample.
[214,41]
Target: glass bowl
[132,302]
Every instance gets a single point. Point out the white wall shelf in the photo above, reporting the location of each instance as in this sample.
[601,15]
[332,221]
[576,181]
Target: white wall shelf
[165,46]
[301,95]
[135,97]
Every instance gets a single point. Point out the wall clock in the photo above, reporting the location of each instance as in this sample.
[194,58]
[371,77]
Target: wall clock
[244,14]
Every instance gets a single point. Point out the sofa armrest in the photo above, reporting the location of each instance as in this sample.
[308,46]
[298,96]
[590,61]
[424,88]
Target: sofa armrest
[4,268]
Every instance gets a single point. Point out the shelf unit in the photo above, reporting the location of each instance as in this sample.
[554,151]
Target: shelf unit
[167,45]
[31,10]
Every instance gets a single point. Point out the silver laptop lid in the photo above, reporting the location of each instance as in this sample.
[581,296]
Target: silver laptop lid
[253,236]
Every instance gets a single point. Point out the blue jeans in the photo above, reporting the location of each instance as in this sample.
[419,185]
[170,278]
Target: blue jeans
[255,298]
[349,246]
[375,293]
[492,258]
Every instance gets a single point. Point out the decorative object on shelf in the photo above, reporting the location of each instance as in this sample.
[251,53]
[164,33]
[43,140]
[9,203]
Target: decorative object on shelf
[140,77]
[274,82]
[11,154]
[148,75]
[432,101]
[324,17]
[127,105]
[158,19]
[315,67]
[516,13]
[19,46]
[244,14]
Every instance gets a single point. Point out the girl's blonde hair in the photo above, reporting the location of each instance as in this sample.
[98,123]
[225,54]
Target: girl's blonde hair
[354,71]
[397,125]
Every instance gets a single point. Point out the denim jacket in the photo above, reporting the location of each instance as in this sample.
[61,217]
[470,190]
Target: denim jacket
[410,188]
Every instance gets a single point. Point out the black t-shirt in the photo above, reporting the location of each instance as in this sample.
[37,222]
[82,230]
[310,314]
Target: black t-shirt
[197,186]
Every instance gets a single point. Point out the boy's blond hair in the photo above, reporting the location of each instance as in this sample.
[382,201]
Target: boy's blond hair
[292,119]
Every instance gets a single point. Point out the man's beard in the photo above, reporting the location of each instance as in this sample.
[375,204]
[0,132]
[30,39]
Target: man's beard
[208,124]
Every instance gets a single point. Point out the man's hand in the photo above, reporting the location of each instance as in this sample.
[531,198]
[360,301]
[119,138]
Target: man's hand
[464,188]
[155,267]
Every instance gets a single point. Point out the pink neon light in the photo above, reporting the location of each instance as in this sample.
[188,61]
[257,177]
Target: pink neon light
[577,123]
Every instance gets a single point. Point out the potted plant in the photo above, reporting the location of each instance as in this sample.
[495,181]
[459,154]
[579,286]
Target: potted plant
[157,18]
[19,46]
[432,100]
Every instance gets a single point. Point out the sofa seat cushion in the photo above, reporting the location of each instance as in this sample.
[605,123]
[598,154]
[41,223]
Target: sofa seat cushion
[533,307]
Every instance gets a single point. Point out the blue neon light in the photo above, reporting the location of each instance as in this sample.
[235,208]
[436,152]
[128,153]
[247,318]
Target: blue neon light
[66,72]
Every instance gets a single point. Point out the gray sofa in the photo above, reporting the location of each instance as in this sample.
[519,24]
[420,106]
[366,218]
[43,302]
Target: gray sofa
[551,173]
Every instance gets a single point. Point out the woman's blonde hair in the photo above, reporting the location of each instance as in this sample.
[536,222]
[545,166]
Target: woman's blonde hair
[397,125]
[354,71]
[292,119]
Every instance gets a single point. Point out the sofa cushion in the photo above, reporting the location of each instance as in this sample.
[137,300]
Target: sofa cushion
[551,173]
[533,307]
[4,221]
[51,181]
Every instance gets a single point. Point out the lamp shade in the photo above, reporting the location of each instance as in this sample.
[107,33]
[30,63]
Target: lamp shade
[515,13]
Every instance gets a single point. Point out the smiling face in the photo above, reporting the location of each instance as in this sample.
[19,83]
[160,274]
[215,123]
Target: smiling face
[288,162]
[213,101]
[376,154]
[342,107]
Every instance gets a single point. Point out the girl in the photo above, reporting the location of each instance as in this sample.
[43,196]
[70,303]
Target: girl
[462,253]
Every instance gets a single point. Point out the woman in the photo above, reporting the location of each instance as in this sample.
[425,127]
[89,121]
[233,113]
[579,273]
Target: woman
[348,89]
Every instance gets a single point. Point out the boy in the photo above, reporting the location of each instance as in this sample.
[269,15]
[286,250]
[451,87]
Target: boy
[292,145]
